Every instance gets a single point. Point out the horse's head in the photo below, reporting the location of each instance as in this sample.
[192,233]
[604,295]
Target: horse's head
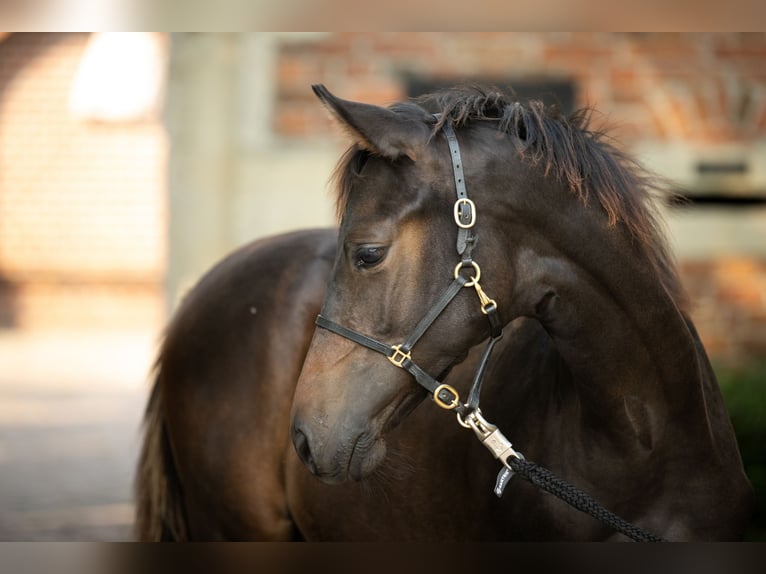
[396,257]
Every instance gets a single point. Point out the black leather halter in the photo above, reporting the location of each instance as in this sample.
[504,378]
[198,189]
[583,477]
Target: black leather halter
[466,274]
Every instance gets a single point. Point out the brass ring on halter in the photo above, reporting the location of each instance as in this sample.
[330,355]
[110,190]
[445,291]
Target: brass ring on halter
[450,405]
[474,280]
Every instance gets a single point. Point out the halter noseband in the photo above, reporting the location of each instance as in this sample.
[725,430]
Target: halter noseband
[401,355]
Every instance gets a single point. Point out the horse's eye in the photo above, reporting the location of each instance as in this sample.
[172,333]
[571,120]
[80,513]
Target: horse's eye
[369,255]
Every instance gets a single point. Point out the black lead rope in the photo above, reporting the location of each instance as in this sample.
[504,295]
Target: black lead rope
[468,414]
[573,496]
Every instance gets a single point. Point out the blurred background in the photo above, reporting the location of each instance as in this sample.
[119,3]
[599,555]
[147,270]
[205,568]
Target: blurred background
[131,162]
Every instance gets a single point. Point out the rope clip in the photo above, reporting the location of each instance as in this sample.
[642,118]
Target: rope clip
[489,435]
[496,442]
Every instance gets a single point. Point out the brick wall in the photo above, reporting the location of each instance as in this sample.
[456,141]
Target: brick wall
[705,87]
[81,202]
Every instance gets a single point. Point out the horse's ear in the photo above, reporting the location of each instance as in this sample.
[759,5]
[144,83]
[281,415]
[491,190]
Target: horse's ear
[377,129]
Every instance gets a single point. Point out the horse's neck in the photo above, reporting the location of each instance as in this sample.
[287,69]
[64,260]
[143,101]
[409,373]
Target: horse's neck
[633,360]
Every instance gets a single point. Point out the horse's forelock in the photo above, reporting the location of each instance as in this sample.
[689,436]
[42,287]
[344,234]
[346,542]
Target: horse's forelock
[345,175]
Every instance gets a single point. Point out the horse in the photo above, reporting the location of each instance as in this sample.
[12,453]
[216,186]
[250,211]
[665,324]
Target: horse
[274,416]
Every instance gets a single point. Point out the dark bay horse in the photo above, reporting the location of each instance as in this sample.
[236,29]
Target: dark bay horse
[262,427]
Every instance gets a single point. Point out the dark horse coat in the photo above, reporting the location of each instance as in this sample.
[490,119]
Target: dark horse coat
[600,376]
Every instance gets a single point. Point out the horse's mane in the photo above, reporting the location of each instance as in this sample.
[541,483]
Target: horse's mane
[567,147]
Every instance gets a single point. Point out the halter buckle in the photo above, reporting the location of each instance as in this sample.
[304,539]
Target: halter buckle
[453,402]
[465,209]
[399,356]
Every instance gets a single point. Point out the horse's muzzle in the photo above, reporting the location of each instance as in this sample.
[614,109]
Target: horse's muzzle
[353,459]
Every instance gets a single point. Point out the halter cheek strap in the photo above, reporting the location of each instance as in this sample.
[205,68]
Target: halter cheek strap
[400,355]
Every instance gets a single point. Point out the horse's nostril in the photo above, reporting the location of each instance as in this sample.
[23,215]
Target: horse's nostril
[301,443]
